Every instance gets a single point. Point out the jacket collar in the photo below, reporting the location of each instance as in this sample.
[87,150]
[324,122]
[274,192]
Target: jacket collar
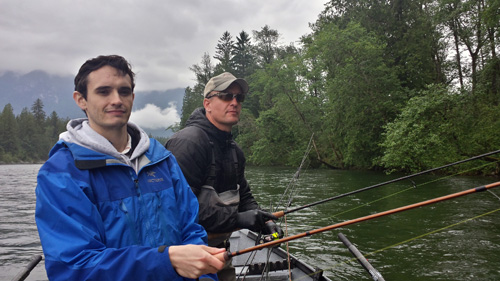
[199,119]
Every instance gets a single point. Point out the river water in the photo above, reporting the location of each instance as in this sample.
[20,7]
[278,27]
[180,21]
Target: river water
[19,240]
[458,239]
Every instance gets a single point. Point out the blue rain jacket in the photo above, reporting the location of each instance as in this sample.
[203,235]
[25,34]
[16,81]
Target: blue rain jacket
[100,220]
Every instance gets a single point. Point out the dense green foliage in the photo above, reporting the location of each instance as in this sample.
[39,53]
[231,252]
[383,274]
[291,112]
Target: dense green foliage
[28,137]
[397,85]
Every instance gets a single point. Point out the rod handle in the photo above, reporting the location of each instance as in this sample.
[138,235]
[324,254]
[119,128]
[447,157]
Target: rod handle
[279,214]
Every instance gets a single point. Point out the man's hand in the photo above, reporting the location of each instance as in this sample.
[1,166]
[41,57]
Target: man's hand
[254,220]
[272,228]
[192,261]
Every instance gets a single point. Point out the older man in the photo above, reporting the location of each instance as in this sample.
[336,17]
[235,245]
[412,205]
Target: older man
[214,165]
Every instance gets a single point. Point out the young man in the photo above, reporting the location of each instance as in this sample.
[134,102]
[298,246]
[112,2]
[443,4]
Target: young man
[214,165]
[113,204]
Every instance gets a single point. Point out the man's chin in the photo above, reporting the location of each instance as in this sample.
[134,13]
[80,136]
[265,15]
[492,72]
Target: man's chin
[116,124]
[233,116]
[234,121]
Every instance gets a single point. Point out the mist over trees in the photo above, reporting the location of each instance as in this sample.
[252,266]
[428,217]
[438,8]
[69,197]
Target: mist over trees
[394,85]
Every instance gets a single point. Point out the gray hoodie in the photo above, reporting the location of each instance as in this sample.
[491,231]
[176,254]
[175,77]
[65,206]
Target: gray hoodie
[79,132]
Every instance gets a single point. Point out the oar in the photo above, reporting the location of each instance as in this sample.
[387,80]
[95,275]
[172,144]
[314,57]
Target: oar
[280,214]
[228,255]
[375,274]
[26,271]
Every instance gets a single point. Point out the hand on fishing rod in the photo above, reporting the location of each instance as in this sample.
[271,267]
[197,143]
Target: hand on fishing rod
[254,220]
[192,261]
[272,231]
[272,228]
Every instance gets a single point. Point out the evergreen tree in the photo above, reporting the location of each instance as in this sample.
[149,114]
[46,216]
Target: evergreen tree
[224,53]
[193,97]
[203,72]
[190,102]
[266,44]
[374,83]
[53,128]
[42,142]
[242,56]
[9,141]
[27,136]
[38,112]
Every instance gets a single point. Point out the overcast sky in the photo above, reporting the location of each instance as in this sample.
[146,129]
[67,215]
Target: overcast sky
[160,38]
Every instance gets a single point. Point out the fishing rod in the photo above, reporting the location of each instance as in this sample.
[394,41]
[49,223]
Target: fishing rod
[228,255]
[280,214]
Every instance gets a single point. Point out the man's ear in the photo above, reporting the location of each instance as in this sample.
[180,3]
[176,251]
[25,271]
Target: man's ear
[206,105]
[80,100]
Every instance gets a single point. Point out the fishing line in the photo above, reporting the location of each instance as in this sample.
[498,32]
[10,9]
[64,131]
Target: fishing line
[288,250]
[411,239]
[369,203]
[291,189]
[228,255]
[250,259]
[266,270]
[281,213]
[434,231]
[419,236]
[405,190]
[494,194]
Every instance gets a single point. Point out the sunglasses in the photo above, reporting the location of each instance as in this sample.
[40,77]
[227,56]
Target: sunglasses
[228,96]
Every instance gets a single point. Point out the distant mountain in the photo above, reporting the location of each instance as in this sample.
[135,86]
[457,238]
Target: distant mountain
[56,93]
[161,99]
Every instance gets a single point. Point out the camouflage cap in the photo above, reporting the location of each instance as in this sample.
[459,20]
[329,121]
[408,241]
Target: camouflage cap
[222,81]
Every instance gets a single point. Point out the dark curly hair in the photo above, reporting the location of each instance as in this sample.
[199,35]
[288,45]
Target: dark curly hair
[118,62]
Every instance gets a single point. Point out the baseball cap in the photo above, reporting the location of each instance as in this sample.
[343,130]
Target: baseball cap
[222,82]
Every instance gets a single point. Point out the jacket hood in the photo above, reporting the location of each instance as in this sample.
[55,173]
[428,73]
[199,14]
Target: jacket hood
[80,133]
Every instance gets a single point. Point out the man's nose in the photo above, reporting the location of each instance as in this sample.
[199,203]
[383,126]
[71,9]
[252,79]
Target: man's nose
[115,97]
[234,100]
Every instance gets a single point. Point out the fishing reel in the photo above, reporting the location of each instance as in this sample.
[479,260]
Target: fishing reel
[265,238]
[275,233]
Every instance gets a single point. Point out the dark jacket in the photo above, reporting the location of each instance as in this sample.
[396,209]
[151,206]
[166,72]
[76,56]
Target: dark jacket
[194,148]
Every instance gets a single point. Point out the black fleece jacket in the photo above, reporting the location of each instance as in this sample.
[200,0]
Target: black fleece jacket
[193,151]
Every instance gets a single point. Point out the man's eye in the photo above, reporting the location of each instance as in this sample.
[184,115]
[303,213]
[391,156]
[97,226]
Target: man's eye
[125,92]
[103,91]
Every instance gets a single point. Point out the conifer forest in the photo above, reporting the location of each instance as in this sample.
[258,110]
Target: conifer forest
[393,85]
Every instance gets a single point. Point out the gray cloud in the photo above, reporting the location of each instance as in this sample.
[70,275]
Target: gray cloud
[161,39]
